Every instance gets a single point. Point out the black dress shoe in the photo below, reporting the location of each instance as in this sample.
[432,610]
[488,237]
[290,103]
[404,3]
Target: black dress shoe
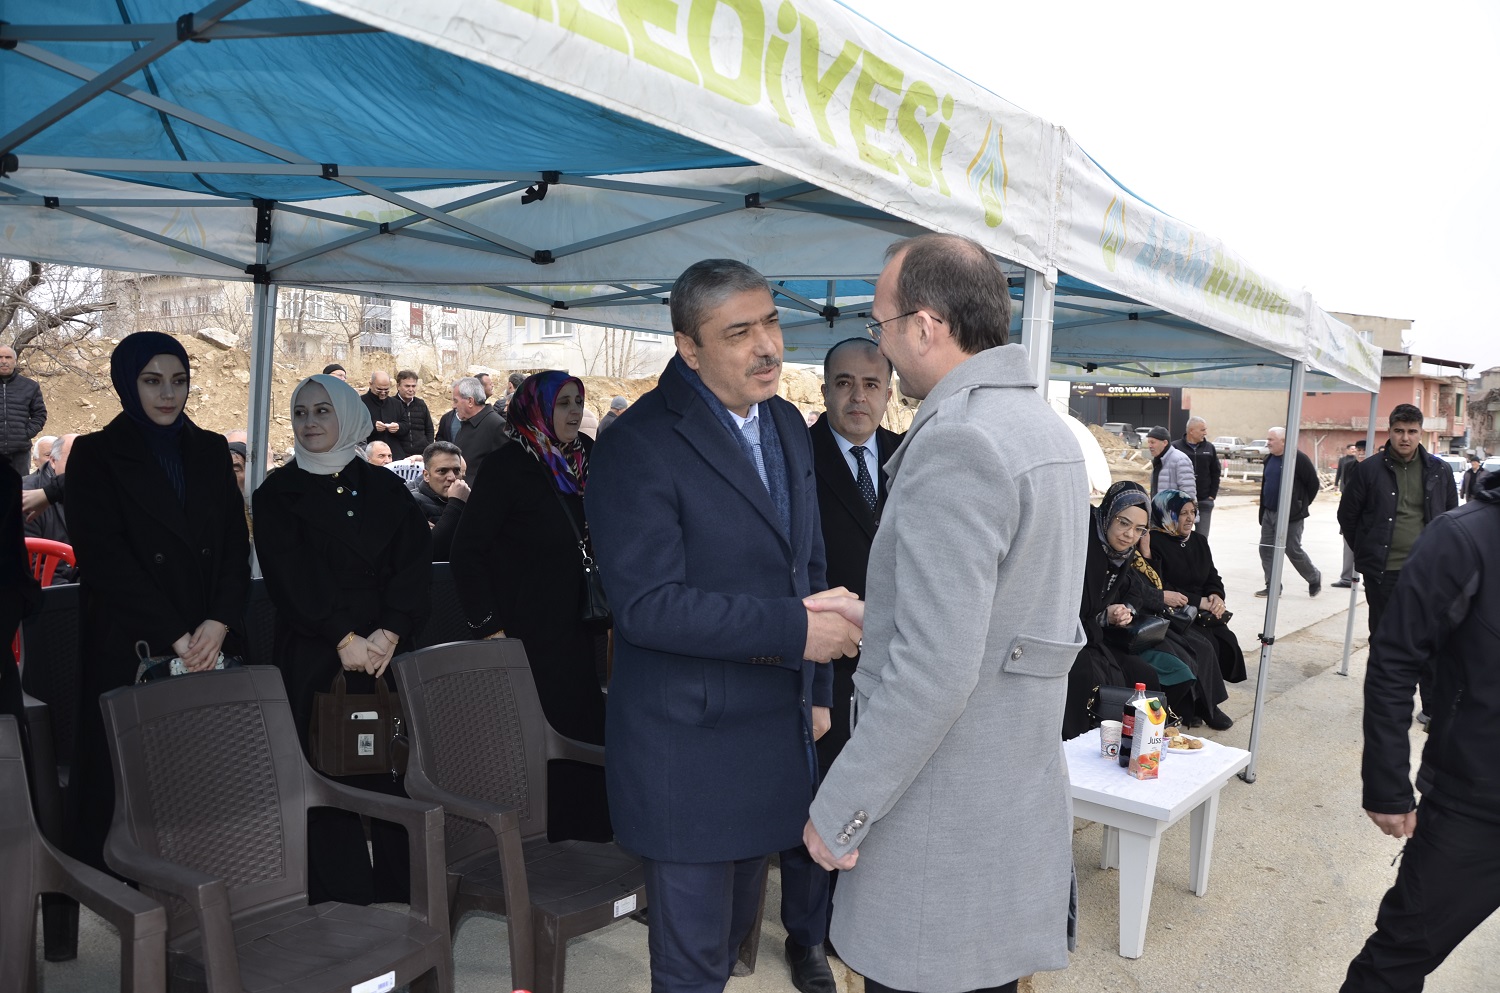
[1220,721]
[810,971]
[1340,584]
[1315,587]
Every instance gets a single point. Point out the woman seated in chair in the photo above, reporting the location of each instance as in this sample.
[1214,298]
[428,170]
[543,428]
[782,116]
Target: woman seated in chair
[1112,592]
[346,554]
[526,514]
[1183,560]
[158,529]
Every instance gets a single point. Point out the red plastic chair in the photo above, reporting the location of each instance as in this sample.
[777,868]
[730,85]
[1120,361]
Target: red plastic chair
[45,556]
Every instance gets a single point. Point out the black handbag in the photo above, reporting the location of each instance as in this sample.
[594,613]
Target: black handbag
[356,734]
[1140,635]
[1108,703]
[1181,618]
[593,605]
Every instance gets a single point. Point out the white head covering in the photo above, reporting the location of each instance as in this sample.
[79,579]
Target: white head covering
[354,427]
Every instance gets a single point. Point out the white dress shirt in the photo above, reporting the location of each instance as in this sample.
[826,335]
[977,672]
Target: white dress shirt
[872,460]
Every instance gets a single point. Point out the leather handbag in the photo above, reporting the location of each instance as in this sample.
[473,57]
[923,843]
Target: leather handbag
[1140,635]
[354,734]
[1181,618]
[1108,703]
[593,605]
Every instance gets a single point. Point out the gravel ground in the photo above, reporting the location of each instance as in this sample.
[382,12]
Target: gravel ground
[1298,869]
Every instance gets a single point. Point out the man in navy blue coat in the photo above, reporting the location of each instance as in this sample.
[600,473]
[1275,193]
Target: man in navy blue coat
[703,509]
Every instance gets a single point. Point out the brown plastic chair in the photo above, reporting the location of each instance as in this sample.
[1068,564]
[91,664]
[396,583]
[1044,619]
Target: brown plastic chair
[211,800]
[30,866]
[480,746]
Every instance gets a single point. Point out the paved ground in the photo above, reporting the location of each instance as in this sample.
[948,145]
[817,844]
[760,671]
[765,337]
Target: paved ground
[1297,873]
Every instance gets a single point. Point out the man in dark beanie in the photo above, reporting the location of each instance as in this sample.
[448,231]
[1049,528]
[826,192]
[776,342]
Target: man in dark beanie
[1171,469]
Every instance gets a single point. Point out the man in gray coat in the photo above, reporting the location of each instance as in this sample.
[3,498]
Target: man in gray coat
[959,691]
[1171,469]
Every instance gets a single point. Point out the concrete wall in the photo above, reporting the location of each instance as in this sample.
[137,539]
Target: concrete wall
[1383,332]
[1246,413]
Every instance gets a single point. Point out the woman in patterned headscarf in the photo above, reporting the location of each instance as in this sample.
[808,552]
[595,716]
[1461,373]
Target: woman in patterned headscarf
[519,572]
[1186,565]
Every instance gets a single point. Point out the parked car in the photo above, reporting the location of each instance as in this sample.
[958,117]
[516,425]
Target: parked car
[1257,451]
[1459,465]
[1229,446]
[1125,432]
[1140,435]
[1491,464]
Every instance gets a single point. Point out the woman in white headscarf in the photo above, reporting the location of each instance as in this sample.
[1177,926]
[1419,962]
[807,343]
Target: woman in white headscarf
[346,554]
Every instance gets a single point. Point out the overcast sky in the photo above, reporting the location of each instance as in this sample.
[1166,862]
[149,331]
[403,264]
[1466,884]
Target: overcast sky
[1350,148]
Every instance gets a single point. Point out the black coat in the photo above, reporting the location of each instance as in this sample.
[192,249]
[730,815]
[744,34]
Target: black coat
[1207,469]
[848,529]
[1187,567]
[1367,510]
[19,593]
[1444,617]
[51,524]
[386,410]
[517,567]
[151,569]
[1305,487]
[23,412]
[336,562]
[478,436]
[417,431]
[444,517]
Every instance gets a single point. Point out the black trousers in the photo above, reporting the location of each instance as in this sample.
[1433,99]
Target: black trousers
[871,986]
[1378,590]
[1448,883]
[805,890]
[700,913]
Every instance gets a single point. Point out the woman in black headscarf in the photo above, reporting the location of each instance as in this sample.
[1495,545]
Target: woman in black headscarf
[1185,563]
[1113,591]
[347,558]
[158,528]
[519,573]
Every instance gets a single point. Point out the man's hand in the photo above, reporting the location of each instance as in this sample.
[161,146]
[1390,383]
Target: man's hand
[33,502]
[822,855]
[829,635]
[1396,825]
[1174,599]
[459,491]
[204,645]
[850,607]
[822,721]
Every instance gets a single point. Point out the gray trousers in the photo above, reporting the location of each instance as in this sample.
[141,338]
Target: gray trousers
[1294,552]
[1205,514]
[1347,575]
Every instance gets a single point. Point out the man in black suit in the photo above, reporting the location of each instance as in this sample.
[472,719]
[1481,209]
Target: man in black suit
[849,448]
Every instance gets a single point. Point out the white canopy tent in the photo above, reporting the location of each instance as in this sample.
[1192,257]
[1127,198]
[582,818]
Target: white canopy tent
[570,157]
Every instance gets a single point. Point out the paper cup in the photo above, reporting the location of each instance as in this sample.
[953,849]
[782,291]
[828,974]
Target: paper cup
[1109,739]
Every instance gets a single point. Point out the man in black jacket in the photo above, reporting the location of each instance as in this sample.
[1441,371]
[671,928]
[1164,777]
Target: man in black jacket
[1304,492]
[1207,469]
[385,413]
[1441,617]
[1354,455]
[442,495]
[23,413]
[1471,479]
[414,421]
[849,449]
[1388,498]
[52,523]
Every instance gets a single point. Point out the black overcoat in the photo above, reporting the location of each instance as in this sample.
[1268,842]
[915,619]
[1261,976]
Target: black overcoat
[341,553]
[151,569]
[848,528]
[517,568]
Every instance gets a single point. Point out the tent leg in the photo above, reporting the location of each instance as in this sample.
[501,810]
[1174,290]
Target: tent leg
[1036,324]
[1278,559]
[1354,587]
[262,358]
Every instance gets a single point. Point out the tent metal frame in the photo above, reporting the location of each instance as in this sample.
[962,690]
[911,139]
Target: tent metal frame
[1040,300]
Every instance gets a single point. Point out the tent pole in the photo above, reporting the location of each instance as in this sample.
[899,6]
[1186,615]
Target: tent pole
[1354,586]
[1278,558]
[262,358]
[1036,324]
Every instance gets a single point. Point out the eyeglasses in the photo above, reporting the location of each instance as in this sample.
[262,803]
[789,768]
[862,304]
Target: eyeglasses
[872,328]
[1139,530]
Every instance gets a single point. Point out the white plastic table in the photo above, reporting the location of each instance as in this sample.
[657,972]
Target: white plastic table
[1135,812]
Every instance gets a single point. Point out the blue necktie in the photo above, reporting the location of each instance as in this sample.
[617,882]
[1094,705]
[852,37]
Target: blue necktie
[863,481]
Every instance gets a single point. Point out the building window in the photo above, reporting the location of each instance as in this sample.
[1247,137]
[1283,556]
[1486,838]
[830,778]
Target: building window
[166,308]
[448,331]
[557,329]
[519,322]
[650,337]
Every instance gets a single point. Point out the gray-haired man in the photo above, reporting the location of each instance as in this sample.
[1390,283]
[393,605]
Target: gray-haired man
[1207,469]
[475,428]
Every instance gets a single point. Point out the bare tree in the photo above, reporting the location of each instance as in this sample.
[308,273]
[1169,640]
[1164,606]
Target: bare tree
[48,307]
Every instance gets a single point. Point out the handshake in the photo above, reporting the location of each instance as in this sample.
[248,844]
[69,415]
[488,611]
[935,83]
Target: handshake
[835,624]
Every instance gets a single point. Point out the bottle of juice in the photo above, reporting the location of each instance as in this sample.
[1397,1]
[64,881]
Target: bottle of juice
[1128,721]
[1150,722]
